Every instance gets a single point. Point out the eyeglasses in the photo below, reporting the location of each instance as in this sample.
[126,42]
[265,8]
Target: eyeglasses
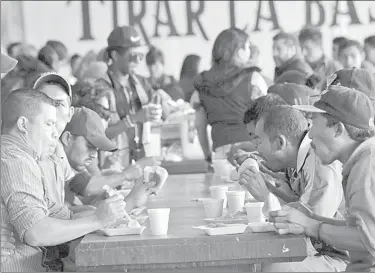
[135,57]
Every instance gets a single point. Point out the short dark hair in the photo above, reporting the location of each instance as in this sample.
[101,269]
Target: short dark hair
[154,55]
[286,121]
[261,104]
[339,40]
[287,37]
[370,40]
[11,46]
[25,102]
[48,56]
[349,43]
[354,133]
[60,48]
[310,33]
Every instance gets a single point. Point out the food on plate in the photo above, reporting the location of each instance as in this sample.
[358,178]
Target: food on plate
[218,225]
[231,216]
[157,174]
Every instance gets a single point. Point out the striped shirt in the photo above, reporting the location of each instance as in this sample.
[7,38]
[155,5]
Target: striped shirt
[22,202]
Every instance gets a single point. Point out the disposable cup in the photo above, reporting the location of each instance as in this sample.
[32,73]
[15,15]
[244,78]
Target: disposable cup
[236,201]
[218,192]
[159,219]
[254,212]
[213,207]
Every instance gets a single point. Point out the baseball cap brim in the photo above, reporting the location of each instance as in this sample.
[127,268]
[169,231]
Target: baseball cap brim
[308,108]
[7,63]
[102,143]
[49,76]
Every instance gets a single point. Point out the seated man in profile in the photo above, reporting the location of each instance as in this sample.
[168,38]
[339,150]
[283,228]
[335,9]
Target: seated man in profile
[282,137]
[29,135]
[343,129]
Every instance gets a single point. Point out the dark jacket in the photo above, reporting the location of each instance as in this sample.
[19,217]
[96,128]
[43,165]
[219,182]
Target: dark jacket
[226,96]
[295,63]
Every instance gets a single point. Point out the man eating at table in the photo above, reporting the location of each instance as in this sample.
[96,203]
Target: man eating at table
[282,137]
[343,129]
[28,136]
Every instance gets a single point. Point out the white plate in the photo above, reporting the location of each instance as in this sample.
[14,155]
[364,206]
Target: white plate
[261,227]
[122,231]
[224,230]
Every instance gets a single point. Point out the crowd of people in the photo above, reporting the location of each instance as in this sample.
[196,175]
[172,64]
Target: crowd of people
[68,120]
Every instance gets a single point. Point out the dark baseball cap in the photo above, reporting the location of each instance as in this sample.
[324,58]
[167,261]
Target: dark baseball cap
[7,63]
[292,93]
[358,79]
[47,77]
[87,123]
[125,37]
[347,105]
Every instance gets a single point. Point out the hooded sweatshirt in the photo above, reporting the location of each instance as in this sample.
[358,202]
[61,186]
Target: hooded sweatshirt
[225,95]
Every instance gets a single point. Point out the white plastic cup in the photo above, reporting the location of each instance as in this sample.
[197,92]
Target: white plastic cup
[236,200]
[159,219]
[213,207]
[254,212]
[218,192]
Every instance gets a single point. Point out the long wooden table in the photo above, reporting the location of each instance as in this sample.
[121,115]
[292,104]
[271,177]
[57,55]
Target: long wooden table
[185,248]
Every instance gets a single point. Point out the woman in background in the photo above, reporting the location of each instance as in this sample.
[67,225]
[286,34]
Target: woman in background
[227,91]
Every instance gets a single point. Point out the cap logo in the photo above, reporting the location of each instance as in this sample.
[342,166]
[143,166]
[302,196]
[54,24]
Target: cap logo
[134,39]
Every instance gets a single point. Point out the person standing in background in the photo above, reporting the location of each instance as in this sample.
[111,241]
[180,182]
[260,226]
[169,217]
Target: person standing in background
[226,90]
[369,62]
[158,79]
[133,93]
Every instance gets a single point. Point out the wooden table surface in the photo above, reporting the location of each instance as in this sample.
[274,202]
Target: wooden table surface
[185,247]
